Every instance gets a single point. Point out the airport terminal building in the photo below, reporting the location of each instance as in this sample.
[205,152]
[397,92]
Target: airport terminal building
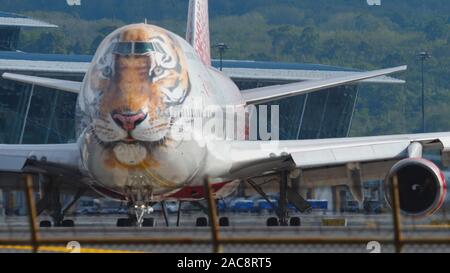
[32,114]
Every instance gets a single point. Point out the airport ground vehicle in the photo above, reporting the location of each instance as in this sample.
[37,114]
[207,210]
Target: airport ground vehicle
[172,207]
[242,205]
[87,207]
[372,206]
[318,204]
[222,206]
[262,206]
[351,206]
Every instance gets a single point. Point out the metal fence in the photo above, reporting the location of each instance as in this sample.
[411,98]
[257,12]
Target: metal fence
[396,239]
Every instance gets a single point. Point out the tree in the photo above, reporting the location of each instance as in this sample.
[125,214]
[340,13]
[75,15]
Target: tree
[52,42]
[436,29]
[309,40]
[285,40]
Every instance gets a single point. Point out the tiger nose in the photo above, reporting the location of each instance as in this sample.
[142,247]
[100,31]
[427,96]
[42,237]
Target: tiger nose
[128,120]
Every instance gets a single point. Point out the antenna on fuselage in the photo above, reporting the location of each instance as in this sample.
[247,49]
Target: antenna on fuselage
[145,21]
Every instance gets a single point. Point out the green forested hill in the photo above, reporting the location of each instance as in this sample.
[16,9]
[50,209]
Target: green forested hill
[339,32]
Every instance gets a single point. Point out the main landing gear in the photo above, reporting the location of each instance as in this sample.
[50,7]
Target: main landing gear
[204,221]
[50,202]
[286,194]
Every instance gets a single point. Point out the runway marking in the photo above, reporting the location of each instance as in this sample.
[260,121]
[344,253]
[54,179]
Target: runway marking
[60,249]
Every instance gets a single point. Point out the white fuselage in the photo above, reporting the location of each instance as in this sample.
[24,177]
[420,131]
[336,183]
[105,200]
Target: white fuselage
[149,121]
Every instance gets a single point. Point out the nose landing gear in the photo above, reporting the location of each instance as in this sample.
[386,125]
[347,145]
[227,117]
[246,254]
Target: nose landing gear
[138,207]
[140,210]
[136,216]
[138,193]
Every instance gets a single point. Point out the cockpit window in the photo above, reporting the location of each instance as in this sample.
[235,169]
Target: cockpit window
[143,48]
[133,48]
[123,48]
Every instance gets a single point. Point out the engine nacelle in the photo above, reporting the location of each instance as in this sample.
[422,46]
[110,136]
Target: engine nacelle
[422,186]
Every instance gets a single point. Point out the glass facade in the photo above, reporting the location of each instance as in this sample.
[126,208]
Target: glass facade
[328,113]
[323,114]
[50,114]
[12,110]
[9,37]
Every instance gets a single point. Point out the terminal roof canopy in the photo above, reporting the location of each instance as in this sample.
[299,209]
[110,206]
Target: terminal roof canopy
[19,62]
[15,20]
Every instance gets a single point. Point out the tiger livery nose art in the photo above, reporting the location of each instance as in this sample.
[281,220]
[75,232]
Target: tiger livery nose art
[138,77]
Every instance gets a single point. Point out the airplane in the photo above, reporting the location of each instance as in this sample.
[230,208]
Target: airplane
[144,88]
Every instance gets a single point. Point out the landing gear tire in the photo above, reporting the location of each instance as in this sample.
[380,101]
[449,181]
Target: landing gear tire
[272,222]
[124,222]
[67,223]
[224,222]
[45,224]
[201,222]
[295,221]
[148,222]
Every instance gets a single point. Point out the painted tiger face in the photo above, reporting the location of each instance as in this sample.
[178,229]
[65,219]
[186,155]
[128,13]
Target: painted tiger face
[139,74]
[139,77]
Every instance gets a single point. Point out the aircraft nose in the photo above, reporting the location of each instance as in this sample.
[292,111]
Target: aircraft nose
[128,120]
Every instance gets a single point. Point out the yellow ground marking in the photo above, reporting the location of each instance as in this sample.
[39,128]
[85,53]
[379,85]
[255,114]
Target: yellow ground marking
[372,224]
[440,222]
[334,222]
[66,250]
[431,226]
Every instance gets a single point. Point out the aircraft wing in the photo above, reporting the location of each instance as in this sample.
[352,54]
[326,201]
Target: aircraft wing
[64,85]
[326,162]
[57,160]
[251,96]
[270,93]
[14,158]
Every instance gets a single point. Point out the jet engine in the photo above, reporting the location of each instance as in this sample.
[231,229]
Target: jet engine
[421,184]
